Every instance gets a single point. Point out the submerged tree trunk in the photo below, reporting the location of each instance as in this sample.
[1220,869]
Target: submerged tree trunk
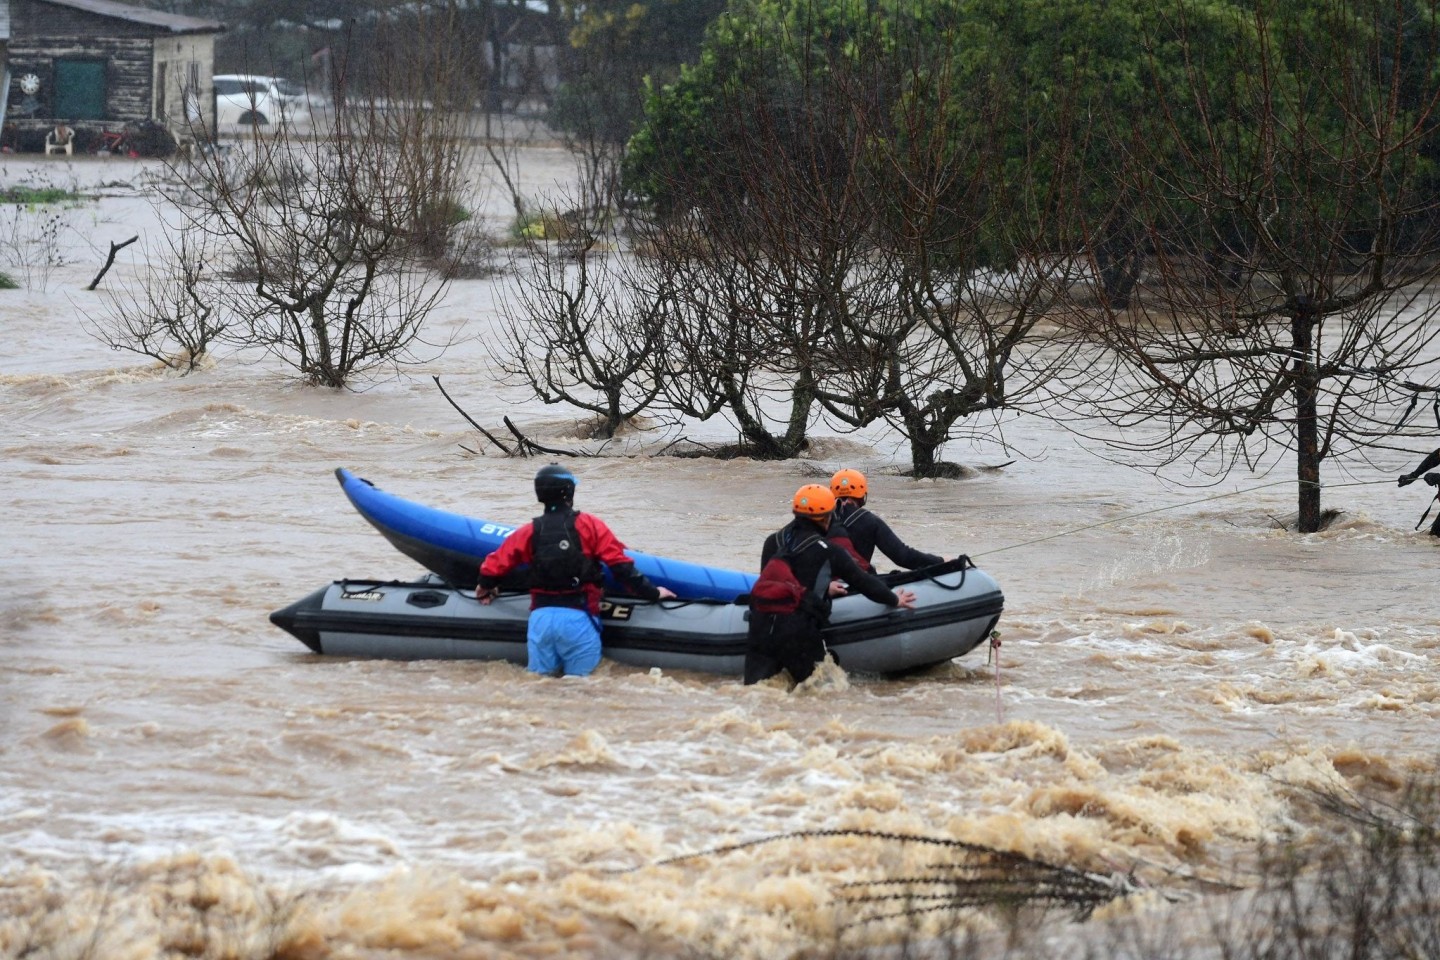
[802,399]
[922,455]
[1307,429]
[1117,257]
[925,434]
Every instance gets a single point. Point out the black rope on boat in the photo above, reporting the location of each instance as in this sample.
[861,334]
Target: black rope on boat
[347,582]
[466,592]
[675,603]
[961,564]
[668,603]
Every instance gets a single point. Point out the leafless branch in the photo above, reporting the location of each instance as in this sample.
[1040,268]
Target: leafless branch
[471,420]
[110,260]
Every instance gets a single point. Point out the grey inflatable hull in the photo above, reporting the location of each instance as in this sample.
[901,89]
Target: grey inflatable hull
[956,610]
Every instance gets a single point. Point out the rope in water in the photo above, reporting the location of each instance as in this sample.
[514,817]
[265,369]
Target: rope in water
[1173,506]
[995,637]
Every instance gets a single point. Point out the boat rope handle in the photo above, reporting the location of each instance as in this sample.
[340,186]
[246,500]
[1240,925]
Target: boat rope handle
[965,568]
[675,603]
[933,573]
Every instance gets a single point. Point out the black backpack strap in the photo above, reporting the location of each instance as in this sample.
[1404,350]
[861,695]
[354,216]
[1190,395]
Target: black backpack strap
[805,544]
[821,590]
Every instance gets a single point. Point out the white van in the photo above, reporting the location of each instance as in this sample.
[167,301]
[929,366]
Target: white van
[248,99]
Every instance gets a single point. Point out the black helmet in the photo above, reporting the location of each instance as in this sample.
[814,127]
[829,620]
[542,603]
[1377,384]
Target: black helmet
[554,484]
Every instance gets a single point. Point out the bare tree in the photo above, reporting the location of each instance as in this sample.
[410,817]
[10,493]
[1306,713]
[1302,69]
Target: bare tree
[581,330]
[761,254]
[171,317]
[854,256]
[949,312]
[1289,303]
[330,237]
[721,356]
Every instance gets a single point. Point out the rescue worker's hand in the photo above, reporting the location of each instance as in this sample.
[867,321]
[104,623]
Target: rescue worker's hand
[486,594]
[666,593]
[1405,480]
[906,598]
[838,588]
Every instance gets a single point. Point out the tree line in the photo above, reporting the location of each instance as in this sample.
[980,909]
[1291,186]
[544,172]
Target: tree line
[1209,228]
[1204,233]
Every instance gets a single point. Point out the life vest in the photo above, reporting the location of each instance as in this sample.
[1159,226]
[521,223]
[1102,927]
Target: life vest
[840,536]
[778,591]
[558,563]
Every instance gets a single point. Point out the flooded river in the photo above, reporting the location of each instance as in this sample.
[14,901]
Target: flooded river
[177,776]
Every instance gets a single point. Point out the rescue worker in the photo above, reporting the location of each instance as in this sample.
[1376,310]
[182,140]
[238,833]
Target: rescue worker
[800,571]
[565,549]
[1431,461]
[859,531]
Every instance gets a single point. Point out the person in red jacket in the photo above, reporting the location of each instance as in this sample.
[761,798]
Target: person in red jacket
[565,550]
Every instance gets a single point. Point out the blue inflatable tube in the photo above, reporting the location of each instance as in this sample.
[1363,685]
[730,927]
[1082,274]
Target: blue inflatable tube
[452,545]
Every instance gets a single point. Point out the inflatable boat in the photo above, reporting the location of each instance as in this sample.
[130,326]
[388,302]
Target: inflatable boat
[451,545]
[957,607]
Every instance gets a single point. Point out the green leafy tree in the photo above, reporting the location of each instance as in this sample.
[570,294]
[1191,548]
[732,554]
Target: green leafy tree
[1290,307]
[613,48]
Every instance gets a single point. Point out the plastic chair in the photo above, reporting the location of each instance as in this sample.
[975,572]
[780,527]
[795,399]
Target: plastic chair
[61,139]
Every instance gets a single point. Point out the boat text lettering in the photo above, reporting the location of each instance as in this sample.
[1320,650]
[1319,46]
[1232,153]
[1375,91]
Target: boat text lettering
[614,611]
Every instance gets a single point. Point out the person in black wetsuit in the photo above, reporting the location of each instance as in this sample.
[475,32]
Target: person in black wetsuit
[1431,461]
[785,629]
[858,530]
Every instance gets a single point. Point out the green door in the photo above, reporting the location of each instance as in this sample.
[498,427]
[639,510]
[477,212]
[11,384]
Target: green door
[79,90]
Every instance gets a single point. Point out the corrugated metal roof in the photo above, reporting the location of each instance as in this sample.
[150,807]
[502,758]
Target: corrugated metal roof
[173,22]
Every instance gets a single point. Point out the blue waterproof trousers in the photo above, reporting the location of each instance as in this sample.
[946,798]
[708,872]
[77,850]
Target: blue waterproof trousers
[563,640]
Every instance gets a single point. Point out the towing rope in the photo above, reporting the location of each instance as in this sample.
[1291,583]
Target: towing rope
[1173,506]
[994,655]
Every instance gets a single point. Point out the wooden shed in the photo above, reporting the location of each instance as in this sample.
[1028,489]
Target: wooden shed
[98,64]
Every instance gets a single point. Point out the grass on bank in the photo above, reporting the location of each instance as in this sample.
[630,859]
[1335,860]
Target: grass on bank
[40,196]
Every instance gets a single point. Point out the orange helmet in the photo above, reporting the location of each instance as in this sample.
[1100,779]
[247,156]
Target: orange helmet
[848,483]
[813,500]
